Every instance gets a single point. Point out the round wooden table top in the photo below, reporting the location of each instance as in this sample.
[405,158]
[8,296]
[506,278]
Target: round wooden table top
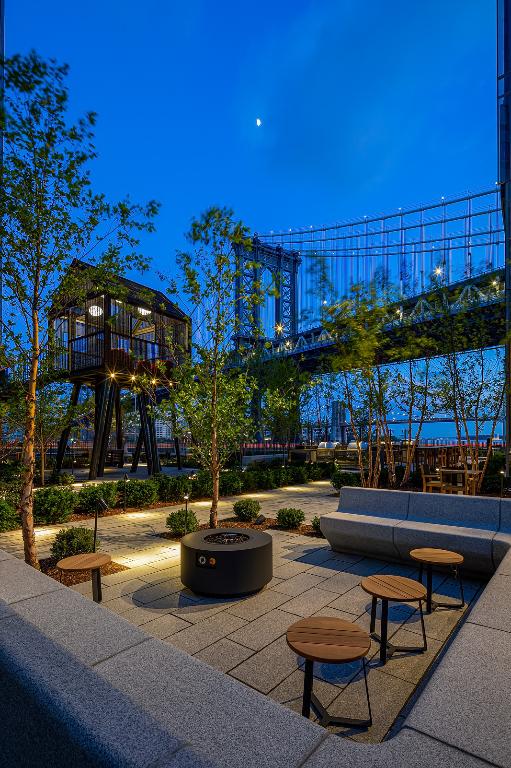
[436,556]
[333,641]
[87,562]
[397,588]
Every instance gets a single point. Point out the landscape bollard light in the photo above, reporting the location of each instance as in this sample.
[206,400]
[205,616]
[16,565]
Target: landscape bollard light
[502,475]
[101,506]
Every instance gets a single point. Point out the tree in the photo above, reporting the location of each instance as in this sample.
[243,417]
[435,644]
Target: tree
[285,392]
[53,415]
[49,214]
[372,335]
[208,393]
[470,384]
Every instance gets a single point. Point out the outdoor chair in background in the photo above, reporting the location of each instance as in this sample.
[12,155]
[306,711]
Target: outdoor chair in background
[431,482]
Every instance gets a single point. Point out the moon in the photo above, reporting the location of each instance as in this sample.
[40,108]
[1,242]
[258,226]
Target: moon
[259,122]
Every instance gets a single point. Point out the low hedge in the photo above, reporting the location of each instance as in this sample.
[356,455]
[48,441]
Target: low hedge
[9,518]
[290,517]
[246,510]
[54,504]
[73,541]
[182,522]
[139,493]
[172,488]
[89,495]
[340,478]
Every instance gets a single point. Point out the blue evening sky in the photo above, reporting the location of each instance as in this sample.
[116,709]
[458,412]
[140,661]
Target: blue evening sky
[365,106]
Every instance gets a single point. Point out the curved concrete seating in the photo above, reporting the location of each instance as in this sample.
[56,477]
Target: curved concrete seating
[81,686]
[391,523]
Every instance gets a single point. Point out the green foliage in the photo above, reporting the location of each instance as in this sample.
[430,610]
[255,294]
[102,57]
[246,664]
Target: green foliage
[316,524]
[9,518]
[65,478]
[340,478]
[139,493]
[181,522]
[73,541]
[289,517]
[172,488]
[246,510]
[10,471]
[54,504]
[89,495]
[231,482]
[201,485]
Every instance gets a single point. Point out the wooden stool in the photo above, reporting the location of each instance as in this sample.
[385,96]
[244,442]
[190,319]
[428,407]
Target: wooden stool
[330,641]
[90,562]
[395,589]
[428,556]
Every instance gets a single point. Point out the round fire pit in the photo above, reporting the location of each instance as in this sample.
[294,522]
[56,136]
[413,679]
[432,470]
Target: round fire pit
[226,561]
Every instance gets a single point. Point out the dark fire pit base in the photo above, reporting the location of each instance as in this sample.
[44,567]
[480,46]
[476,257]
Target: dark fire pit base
[226,561]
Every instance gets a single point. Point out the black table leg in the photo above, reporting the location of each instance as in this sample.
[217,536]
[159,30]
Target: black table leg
[307,688]
[326,719]
[432,605]
[384,630]
[97,595]
[373,614]
[387,649]
[429,587]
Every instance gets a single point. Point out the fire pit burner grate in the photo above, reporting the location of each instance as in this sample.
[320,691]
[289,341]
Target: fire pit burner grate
[226,538]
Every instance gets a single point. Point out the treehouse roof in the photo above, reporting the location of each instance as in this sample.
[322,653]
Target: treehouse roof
[136,293]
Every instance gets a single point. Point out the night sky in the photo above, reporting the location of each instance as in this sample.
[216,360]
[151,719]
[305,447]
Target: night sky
[365,106]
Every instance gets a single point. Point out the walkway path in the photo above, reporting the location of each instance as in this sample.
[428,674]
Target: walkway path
[126,534]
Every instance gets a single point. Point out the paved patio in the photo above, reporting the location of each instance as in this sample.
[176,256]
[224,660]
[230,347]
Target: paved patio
[245,638]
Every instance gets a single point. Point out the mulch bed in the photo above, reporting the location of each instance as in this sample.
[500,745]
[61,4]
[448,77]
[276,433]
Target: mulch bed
[270,522]
[49,566]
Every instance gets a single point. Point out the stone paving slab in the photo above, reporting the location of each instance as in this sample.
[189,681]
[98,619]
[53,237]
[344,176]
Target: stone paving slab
[224,654]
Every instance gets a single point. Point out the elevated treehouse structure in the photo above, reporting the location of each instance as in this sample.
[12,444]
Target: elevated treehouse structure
[118,334]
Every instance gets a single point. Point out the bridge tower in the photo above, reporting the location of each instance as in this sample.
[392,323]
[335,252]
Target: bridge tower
[283,266]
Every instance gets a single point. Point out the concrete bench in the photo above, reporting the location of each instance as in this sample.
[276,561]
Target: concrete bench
[391,523]
[81,686]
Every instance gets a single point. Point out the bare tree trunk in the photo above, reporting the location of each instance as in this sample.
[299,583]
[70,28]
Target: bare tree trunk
[28,457]
[213,514]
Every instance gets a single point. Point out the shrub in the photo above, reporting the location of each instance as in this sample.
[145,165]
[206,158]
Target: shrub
[73,541]
[172,488]
[10,470]
[202,485]
[298,473]
[54,504]
[139,493]
[10,492]
[231,483]
[246,509]
[9,518]
[340,478]
[182,521]
[89,495]
[289,517]
[316,471]
[65,479]
[316,524]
